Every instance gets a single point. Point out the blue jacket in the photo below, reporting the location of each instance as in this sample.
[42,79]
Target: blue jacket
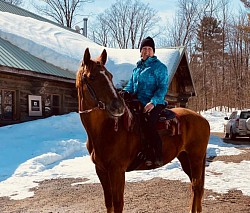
[149,81]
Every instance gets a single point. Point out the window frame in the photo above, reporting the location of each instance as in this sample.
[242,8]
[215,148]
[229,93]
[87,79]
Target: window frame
[3,105]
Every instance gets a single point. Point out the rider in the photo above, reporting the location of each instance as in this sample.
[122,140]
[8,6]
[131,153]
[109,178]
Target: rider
[149,82]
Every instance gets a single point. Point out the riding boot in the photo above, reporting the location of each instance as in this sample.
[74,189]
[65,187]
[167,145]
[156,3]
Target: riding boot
[158,150]
[156,144]
[149,121]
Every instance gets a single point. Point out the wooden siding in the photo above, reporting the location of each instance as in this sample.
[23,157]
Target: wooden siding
[23,86]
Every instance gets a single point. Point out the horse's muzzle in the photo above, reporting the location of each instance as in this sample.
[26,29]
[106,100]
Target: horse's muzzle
[116,107]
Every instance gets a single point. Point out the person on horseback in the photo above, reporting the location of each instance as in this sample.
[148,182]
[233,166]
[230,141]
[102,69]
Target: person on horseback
[149,83]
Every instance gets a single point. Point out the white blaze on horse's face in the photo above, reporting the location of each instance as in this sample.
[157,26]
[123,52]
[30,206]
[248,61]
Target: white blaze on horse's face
[116,105]
[110,84]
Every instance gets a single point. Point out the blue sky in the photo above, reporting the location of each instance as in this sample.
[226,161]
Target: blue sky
[165,8]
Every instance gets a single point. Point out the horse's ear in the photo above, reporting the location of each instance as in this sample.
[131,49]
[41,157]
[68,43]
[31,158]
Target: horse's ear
[86,57]
[103,57]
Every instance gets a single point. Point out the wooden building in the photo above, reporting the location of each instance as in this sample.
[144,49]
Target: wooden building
[31,88]
[181,86]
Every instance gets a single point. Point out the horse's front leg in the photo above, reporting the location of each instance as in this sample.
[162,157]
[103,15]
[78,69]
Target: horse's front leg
[117,181]
[105,181]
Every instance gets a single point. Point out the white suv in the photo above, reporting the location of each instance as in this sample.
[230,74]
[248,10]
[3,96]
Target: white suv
[238,124]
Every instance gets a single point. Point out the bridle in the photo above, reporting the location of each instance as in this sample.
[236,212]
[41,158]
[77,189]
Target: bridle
[82,80]
[100,104]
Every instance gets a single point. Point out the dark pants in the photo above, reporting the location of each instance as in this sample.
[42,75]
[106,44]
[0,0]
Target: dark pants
[149,129]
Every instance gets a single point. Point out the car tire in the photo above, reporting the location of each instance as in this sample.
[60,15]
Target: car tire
[248,123]
[232,135]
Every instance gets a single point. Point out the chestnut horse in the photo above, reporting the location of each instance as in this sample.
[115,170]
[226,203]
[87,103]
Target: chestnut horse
[113,148]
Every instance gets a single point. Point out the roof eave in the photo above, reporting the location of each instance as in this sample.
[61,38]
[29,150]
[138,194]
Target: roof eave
[35,74]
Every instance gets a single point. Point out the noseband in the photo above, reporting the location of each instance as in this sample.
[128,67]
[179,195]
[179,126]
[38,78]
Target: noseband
[100,104]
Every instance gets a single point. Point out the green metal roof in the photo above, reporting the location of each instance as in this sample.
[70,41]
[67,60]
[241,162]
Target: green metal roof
[12,56]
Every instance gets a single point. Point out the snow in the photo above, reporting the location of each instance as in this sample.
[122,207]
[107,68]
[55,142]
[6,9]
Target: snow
[55,147]
[65,48]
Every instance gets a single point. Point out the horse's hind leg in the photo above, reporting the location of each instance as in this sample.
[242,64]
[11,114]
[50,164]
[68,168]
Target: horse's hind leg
[197,181]
[105,181]
[183,158]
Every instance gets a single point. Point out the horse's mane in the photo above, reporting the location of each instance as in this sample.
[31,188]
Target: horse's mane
[79,86]
[79,75]
[79,83]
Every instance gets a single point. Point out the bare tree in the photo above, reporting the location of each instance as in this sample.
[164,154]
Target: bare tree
[14,2]
[101,32]
[125,24]
[185,22]
[62,11]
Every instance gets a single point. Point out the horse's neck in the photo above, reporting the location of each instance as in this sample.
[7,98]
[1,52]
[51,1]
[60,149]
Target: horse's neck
[98,123]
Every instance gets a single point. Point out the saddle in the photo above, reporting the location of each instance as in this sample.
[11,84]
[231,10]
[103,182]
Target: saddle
[168,122]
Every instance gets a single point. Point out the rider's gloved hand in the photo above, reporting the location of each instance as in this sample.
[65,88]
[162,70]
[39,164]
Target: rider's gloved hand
[125,95]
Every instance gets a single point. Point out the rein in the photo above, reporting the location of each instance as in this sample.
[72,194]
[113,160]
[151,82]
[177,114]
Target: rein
[100,104]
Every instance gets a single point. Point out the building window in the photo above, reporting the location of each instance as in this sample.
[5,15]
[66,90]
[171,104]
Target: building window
[52,105]
[7,104]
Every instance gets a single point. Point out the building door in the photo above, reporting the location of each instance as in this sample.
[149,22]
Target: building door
[52,105]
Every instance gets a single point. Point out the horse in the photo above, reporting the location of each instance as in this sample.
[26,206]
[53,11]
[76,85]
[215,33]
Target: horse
[113,148]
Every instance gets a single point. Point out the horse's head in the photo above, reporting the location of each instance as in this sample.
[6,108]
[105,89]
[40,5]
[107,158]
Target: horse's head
[95,86]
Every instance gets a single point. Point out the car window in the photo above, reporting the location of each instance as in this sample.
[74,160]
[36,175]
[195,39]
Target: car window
[245,115]
[233,115]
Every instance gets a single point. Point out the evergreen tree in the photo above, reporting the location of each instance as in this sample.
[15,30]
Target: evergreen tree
[209,51]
